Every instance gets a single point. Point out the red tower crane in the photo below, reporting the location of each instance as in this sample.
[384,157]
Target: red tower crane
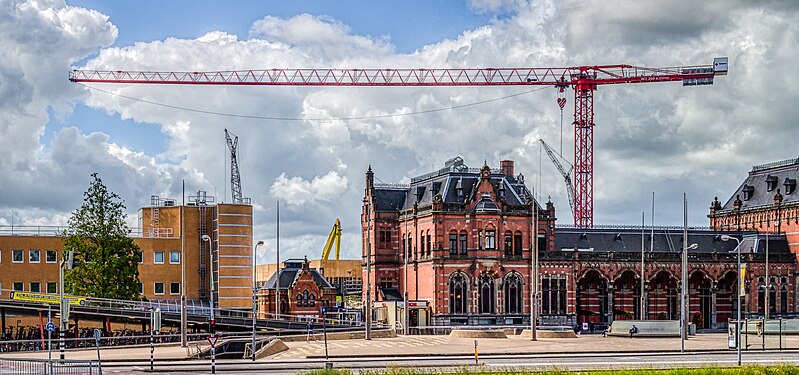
[583,79]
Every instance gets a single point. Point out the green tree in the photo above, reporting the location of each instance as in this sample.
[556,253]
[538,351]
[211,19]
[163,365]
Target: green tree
[106,259]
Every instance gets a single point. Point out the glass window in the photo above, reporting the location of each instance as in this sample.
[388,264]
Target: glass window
[34,256]
[174,257]
[299,300]
[52,287]
[36,287]
[140,256]
[457,294]
[312,298]
[140,288]
[453,243]
[51,256]
[174,288]
[508,244]
[517,244]
[159,287]
[18,286]
[158,258]
[463,242]
[16,256]
[491,241]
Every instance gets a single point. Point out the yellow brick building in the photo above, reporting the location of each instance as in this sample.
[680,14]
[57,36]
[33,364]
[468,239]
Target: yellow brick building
[171,240]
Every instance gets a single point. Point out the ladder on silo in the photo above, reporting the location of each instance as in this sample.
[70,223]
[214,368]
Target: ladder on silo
[155,203]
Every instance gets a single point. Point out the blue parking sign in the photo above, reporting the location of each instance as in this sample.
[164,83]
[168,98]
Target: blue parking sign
[50,326]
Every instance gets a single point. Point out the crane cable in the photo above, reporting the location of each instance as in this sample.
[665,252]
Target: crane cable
[254,117]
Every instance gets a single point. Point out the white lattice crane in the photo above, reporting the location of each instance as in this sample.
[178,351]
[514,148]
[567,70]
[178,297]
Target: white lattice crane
[235,176]
[566,174]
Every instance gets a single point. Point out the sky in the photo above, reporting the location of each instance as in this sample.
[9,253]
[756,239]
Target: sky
[658,138]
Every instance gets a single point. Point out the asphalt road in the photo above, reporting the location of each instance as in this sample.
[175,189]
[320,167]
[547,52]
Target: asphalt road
[539,362]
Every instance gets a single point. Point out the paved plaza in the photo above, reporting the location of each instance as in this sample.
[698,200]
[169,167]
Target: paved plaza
[412,346]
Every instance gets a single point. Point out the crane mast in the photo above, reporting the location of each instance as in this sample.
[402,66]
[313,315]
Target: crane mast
[583,79]
[235,176]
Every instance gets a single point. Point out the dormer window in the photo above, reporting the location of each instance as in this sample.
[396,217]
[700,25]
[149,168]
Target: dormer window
[790,185]
[748,191]
[771,182]
[459,188]
[502,190]
[419,193]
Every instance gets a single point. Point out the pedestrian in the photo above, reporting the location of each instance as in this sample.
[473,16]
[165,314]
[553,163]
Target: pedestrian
[310,334]
[633,330]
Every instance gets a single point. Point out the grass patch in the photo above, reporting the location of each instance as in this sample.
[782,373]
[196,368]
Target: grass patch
[746,370]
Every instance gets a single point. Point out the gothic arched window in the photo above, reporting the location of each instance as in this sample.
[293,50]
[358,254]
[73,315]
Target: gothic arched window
[513,293]
[487,295]
[458,287]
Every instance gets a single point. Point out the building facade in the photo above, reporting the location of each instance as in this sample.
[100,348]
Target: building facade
[767,202]
[302,290]
[171,240]
[458,242]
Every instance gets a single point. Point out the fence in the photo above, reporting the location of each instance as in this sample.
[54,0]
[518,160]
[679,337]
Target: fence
[772,334]
[44,367]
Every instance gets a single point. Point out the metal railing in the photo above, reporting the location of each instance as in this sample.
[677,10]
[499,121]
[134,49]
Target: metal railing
[45,367]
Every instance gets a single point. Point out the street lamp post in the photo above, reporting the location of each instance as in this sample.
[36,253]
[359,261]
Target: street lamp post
[254,298]
[684,296]
[738,320]
[207,239]
[533,269]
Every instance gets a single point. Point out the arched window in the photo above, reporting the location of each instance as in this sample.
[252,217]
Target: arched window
[305,298]
[403,246]
[513,293]
[458,287]
[312,300]
[422,246]
[299,300]
[453,243]
[463,243]
[429,244]
[508,243]
[487,295]
[784,299]
[410,247]
[491,239]
[517,244]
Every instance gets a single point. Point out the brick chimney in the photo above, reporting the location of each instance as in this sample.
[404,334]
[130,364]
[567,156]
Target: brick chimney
[507,167]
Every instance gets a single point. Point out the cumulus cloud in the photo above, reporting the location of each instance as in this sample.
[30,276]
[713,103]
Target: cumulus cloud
[298,191]
[650,137]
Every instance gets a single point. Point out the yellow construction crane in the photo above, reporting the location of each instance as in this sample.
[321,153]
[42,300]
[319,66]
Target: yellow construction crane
[335,236]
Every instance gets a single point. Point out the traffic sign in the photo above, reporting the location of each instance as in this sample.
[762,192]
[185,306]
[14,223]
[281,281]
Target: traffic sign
[212,340]
[324,309]
[50,327]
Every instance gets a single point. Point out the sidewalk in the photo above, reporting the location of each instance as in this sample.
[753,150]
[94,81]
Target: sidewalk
[431,345]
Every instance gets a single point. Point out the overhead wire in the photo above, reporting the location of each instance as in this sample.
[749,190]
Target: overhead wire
[279,118]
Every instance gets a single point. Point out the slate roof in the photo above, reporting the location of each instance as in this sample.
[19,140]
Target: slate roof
[449,181]
[290,274]
[667,240]
[760,186]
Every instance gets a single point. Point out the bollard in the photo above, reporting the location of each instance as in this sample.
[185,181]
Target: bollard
[476,362]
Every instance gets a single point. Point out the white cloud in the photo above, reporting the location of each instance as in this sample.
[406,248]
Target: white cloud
[298,191]
[653,137]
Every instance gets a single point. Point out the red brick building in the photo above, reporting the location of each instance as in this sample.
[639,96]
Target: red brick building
[303,290]
[467,235]
[767,202]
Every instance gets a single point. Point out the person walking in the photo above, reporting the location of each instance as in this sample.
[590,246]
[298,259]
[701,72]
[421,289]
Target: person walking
[310,334]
